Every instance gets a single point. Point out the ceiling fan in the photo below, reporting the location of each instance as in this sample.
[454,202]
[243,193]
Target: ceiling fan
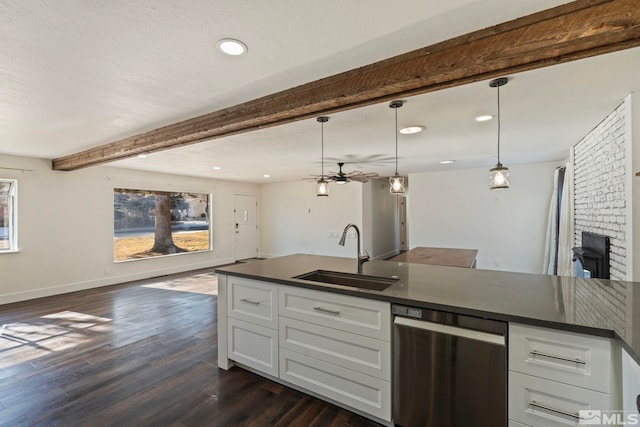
[341,177]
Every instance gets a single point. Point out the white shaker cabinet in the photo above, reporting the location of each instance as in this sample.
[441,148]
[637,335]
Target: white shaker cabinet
[337,346]
[253,301]
[252,323]
[630,386]
[334,346]
[553,375]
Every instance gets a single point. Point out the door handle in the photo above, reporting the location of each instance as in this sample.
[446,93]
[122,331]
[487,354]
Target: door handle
[553,356]
[544,407]
[326,310]
[450,330]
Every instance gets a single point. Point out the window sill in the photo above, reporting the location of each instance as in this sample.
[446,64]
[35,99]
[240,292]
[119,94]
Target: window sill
[10,251]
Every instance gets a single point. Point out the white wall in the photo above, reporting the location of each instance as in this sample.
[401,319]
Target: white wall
[380,212]
[65,228]
[294,220]
[456,209]
[65,222]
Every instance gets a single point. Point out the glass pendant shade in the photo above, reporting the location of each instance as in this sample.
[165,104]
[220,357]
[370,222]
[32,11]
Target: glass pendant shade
[322,188]
[396,183]
[498,177]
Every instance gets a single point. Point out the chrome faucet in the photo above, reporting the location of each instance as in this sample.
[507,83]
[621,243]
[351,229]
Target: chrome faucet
[361,258]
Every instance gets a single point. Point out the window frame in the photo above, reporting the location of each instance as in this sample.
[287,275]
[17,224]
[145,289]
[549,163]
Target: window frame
[209,208]
[12,203]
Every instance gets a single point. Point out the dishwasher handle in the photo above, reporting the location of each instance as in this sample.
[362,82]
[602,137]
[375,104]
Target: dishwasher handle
[450,330]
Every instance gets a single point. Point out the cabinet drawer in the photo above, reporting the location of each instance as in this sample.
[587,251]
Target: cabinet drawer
[363,392]
[253,345]
[363,354]
[356,315]
[571,358]
[253,301]
[543,403]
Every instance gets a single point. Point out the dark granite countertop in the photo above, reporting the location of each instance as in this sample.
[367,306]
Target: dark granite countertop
[606,308]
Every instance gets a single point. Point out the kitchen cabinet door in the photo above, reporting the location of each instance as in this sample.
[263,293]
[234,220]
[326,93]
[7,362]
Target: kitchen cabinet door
[630,385]
[253,345]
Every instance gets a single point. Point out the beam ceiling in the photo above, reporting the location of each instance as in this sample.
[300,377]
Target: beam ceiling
[569,32]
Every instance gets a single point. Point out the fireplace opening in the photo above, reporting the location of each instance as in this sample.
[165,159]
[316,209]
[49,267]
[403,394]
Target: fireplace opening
[592,258]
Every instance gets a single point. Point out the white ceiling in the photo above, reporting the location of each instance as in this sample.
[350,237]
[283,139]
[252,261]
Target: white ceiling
[77,74]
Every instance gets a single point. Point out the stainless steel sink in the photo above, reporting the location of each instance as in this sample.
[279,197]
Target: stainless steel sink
[374,283]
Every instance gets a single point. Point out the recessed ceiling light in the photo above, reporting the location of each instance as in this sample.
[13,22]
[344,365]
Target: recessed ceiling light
[216,168]
[447,162]
[142,156]
[232,47]
[266,175]
[483,118]
[411,129]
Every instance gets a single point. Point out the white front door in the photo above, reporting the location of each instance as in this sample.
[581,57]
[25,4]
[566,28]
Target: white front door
[245,226]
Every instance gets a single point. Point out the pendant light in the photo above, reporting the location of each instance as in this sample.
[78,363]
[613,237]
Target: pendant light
[396,182]
[499,175]
[322,186]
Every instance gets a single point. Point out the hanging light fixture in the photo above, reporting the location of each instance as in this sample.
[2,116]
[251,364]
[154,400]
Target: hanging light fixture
[396,182]
[322,186]
[499,175]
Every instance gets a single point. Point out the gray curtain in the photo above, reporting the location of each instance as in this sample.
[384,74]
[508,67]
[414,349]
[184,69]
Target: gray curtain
[551,243]
[566,225]
[559,239]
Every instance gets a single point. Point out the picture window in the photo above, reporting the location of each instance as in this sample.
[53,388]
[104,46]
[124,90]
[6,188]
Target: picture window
[150,223]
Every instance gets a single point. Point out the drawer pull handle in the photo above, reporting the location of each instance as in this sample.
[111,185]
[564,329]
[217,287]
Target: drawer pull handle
[552,356]
[535,404]
[248,301]
[326,310]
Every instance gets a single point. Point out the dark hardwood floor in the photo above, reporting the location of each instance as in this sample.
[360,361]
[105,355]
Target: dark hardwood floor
[137,354]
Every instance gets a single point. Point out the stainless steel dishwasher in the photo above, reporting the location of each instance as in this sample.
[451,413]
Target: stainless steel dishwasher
[448,370]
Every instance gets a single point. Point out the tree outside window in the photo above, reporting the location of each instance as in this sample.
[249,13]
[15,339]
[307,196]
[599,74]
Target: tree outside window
[156,223]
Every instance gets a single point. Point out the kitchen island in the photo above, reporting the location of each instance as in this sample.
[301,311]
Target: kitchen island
[451,257]
[576,308]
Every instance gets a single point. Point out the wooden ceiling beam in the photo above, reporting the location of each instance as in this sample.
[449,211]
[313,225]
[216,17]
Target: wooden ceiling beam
[573,31]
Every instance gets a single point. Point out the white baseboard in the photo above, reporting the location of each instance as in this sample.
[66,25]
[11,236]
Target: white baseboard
[107,281]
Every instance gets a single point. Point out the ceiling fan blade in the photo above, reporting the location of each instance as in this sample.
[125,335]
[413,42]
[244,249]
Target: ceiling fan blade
[359,178]
[371,175]
[364,177]
[358,159]
[345,177]
[365,174]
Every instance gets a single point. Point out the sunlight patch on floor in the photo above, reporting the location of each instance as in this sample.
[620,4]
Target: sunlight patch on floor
[200,284]
[28,340]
